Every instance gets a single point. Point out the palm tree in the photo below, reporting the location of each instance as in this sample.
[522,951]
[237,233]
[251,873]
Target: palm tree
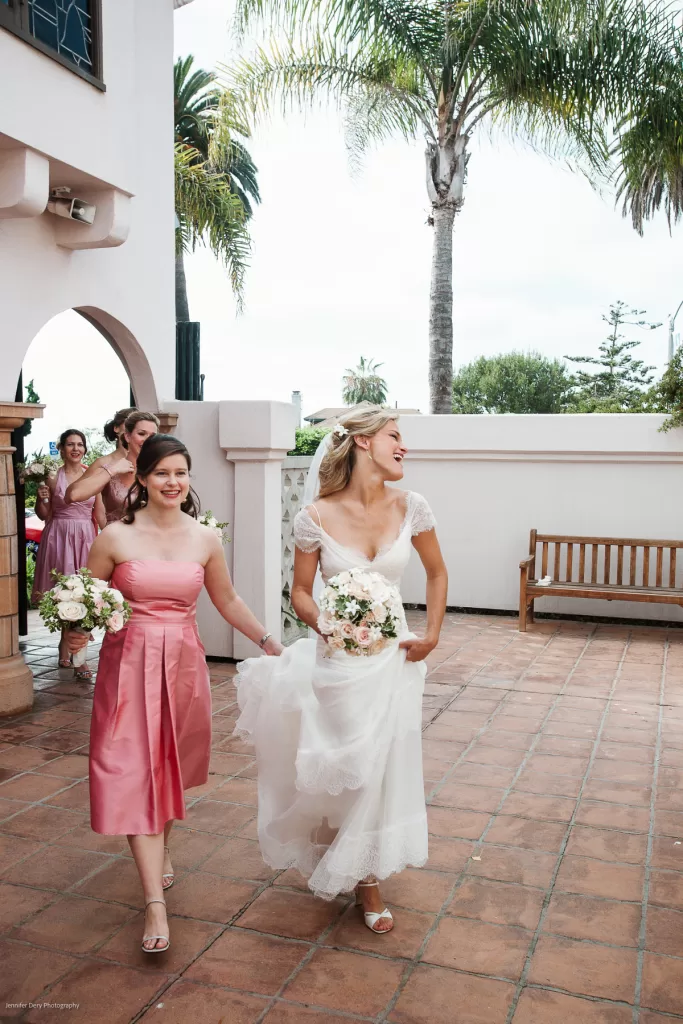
[557,71]
[364,384]
[207,127]
[208,211]
[650,146]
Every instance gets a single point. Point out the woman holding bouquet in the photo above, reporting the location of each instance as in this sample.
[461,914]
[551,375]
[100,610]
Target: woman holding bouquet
[113,475]
[150,734]
[338,738]
[70,528]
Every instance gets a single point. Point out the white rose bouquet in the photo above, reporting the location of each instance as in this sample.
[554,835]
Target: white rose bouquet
[82,602]
[209,519]
[359,613]
[38,470]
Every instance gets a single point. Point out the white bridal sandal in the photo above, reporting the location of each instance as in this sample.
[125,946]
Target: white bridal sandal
[168,875]
[370,918]
[146,938]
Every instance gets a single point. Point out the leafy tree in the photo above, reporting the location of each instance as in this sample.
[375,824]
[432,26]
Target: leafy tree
[364,384]
[619,386]
[667,394]
[308,439]
[559,73]
[516,382]
[213,202]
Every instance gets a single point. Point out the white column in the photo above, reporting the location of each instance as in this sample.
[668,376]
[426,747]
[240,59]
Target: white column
[256,437]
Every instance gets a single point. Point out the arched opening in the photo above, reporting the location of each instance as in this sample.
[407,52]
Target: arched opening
[83,365]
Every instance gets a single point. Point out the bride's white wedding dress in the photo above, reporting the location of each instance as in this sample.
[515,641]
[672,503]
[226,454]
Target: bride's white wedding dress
[338,739]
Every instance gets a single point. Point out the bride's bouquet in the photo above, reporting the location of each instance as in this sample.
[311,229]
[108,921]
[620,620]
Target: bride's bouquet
[359,613]
[82,602]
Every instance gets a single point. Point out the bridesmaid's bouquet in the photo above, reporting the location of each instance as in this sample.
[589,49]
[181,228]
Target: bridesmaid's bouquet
[359,612]
[209,519]
[82,602]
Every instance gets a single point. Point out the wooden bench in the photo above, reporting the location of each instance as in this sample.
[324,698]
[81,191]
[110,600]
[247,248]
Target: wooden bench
[607,568]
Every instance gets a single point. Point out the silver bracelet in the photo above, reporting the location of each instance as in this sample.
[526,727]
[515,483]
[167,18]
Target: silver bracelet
[264,640]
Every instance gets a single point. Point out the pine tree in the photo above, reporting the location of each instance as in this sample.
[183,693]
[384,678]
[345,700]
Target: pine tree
[619,386]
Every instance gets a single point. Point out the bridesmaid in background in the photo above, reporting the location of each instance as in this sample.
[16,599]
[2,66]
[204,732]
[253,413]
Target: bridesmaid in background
[113,475]
[70,529]
[150,735]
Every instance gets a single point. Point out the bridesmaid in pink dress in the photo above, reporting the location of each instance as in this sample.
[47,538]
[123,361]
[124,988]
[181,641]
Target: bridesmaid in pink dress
[113,475]
[150,735]
[69,531]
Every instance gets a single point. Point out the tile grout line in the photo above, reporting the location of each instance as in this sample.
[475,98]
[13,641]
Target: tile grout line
[642,936]
[521,984]
[417,959]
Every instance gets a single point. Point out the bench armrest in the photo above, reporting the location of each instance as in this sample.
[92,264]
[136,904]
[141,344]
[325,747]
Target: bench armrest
[528,562]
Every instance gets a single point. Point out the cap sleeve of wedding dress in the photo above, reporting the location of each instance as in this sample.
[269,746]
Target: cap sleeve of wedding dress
[420,514]
[306,532]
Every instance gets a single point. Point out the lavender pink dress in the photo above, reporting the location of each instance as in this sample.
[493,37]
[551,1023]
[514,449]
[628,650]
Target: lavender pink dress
[66,539]
[150,735]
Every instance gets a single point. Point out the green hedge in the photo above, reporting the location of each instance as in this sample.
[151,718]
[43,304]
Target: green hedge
[308,439]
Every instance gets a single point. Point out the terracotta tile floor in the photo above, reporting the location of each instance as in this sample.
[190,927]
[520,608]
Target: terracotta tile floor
[553,893]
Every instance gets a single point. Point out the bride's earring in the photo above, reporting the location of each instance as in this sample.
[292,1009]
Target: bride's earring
[369,455]
[143,496]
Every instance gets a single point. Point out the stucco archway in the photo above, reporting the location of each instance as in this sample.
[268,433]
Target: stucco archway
[129,351]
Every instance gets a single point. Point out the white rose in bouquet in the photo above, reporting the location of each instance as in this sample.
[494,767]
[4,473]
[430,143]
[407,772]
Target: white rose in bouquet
[36,469]
[72,611]
[379,611]
[116,622]
[100,585]
[115,597]
[62,594]
[326,625]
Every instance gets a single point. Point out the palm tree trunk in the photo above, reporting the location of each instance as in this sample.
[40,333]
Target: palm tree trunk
[182,309]
[441,311]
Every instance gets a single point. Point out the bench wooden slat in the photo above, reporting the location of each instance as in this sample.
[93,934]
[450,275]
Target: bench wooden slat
[640,542]
[629,583]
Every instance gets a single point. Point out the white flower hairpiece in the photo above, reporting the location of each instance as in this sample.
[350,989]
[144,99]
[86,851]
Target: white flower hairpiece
[340,430]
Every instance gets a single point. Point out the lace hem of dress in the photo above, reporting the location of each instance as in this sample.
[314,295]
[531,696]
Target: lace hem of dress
[379,854]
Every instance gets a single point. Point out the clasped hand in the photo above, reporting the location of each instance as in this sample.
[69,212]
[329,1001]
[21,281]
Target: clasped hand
[418,648]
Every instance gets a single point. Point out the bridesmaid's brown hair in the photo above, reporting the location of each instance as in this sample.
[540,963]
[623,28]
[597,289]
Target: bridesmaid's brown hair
[154,449]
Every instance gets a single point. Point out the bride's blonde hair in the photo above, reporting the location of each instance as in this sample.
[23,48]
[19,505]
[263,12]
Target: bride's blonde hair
[336,467]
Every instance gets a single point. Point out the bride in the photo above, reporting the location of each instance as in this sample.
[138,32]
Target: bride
[338,739]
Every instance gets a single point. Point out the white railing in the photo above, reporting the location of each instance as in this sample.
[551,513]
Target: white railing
[294,473]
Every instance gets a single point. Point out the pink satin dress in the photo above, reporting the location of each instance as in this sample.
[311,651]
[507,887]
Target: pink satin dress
[65,542]
[150,735]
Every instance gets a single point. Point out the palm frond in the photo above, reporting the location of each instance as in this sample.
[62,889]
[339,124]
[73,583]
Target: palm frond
[209,213]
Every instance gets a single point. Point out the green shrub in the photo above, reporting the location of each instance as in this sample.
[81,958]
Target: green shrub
[308,439]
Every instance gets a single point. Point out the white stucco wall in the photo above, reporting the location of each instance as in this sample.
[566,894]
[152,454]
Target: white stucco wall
[492,479]
[121,138]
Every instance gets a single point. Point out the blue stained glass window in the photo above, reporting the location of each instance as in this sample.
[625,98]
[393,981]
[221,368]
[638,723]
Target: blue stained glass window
[66,27]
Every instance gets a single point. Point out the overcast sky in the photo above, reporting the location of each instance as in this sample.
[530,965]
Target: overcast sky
[341,263]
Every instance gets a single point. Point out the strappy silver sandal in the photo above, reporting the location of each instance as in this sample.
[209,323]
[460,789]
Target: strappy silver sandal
[146,938]
[370,918]
[169,874]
